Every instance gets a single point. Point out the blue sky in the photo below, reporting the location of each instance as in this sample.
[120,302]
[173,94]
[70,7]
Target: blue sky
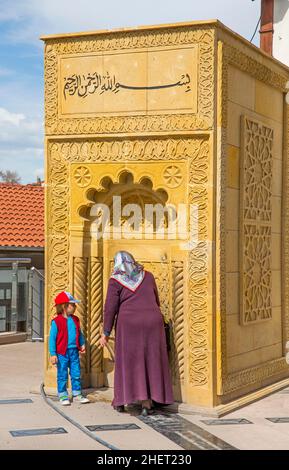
[21,56]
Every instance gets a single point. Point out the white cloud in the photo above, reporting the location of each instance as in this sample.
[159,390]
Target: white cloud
[19,131]
[11,118]
[21,144]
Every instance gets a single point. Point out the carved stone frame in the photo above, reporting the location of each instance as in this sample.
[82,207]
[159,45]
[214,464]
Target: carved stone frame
[61,152]
[201,35]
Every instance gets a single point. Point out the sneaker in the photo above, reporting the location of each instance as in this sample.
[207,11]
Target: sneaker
[80,399]
[64,402]
[146,411]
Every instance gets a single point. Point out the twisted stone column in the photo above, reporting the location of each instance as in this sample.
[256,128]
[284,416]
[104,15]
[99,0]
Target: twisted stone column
[178,321]
[80,292]
[96,305]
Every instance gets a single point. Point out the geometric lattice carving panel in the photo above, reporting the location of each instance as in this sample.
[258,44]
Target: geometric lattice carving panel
[255,221]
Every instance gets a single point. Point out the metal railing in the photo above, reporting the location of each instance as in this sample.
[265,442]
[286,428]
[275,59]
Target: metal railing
[36,304]
[26,297]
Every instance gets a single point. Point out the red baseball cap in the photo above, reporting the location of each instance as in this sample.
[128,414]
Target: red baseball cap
[65,297]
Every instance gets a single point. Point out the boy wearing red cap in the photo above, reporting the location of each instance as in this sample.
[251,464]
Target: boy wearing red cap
[66,340]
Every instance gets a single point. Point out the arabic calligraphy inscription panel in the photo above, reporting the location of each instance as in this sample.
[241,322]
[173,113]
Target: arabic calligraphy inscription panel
[144,82]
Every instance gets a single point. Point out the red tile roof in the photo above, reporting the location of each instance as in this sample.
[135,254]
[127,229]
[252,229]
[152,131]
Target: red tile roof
[21,215]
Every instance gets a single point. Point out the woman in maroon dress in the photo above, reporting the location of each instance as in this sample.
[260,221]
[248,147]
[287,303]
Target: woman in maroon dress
[141,360]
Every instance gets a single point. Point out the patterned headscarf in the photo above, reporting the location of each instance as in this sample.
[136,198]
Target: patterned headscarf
[127,271]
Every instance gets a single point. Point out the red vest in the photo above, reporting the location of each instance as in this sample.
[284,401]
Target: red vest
[62,333]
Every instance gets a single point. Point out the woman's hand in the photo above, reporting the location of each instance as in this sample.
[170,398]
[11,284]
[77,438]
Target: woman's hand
[53,360]
[103,340]
[82,349]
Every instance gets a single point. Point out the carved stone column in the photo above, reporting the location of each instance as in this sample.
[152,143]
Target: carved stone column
[96,305]
[178,322]
[80,291]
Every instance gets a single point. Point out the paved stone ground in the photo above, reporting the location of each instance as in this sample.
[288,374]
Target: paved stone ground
[21,371]
[259,432]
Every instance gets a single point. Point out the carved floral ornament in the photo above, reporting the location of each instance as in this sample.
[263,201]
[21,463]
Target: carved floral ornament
[172,176]
[82,176]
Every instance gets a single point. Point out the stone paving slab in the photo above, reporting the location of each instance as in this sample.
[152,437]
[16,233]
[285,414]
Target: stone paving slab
[103,413]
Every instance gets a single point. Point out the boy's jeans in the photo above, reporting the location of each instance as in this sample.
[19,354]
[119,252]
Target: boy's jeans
[71,361]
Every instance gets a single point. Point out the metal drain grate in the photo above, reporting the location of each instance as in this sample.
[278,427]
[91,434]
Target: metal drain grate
[37,432]
[187,435]
[284,419]
[225,422]
[14,401]
[112,427]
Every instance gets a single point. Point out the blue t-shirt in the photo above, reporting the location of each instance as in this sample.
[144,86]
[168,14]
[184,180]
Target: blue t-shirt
[71,329]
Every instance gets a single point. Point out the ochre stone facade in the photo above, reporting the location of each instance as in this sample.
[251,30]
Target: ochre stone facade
[214,136]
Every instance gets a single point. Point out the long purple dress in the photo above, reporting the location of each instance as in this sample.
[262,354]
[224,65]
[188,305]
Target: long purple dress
[141,359]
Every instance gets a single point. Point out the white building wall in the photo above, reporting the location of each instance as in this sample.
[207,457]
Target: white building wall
[281,31]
